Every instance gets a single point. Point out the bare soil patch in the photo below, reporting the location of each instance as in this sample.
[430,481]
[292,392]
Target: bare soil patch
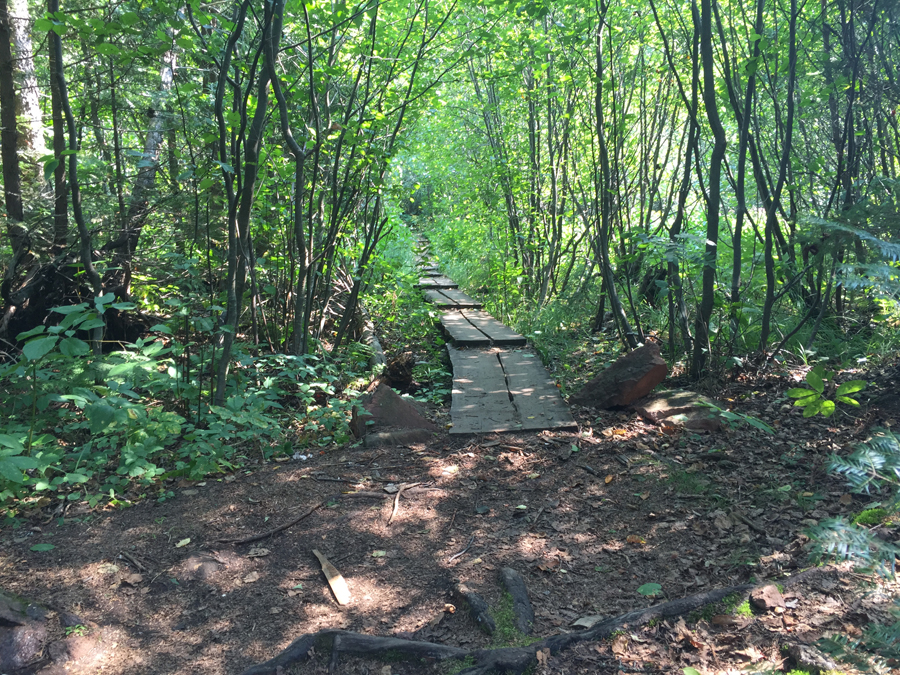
[587,518]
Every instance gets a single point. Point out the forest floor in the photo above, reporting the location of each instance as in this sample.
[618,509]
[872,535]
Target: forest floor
[587,518]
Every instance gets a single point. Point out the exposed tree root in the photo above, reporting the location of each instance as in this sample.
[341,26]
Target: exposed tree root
[514,660]
[478,608]
[522,610]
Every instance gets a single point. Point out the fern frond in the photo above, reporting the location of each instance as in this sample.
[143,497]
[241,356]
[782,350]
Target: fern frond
[888,250]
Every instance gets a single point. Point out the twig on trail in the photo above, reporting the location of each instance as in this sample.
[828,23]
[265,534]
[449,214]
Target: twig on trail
[402,489]
[591,471]
[452,519]
[463,552]
[749,523]
[280,528]
[321,477]
[134,561]
[369,495]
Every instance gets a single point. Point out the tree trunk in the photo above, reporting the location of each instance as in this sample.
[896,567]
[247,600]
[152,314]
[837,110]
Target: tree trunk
[28,108]
[605,196]
[704,312]
[86,249]
[771,211]
[239,226]
[60,189]
[12,181]
[138,206]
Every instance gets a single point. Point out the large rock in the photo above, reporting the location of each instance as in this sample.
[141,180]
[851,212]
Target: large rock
[631,377]
[387,409]
[680,408]
[23,632]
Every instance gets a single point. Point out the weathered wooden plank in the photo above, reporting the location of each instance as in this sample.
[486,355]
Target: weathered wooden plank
[534,393]
[463,333]
[451,299]
[498,334]
[460,299]
[430,270]
[480,402]
[437,282]
[437,298]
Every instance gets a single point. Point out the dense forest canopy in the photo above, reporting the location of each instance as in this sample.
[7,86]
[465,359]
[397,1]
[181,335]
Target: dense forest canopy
[234,177]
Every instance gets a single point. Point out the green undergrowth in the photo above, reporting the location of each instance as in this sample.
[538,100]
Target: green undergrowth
[871,517]
[456,667]
[110,429]
[729,605]
[507,635]
[406,323]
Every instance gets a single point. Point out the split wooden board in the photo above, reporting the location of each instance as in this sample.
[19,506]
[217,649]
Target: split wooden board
[504,390]
[474,328]
[449,298]
[534,392]
[335,579]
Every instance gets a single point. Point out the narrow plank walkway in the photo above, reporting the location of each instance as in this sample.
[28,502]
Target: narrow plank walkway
[495,388]
[499,390]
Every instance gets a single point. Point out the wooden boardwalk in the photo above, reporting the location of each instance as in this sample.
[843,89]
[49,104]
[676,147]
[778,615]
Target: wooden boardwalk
[502,390]
[496,387]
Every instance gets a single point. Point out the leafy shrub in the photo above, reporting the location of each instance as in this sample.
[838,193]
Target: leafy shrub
[874,466]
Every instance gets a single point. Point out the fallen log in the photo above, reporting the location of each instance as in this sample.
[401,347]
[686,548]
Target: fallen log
[514,660]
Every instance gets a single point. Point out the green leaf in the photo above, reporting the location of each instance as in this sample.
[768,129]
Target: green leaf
[13,466]
[799,393]
[827,408]
[851,387]
[37,330]
[814,379]
[40,548]
[690,671]
[36,349]
[70,309]
[650,590]
[813,408]
[847,400]
[107,49]
[74,347]
[93,323]
[12,443]
[49,168]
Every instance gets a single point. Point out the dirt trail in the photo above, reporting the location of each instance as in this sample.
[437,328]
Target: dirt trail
[587,518]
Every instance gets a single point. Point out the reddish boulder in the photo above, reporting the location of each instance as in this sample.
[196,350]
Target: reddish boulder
[767,597]
[632,377]
[386,409]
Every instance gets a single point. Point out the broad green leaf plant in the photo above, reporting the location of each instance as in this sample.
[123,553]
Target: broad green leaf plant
[817,400]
